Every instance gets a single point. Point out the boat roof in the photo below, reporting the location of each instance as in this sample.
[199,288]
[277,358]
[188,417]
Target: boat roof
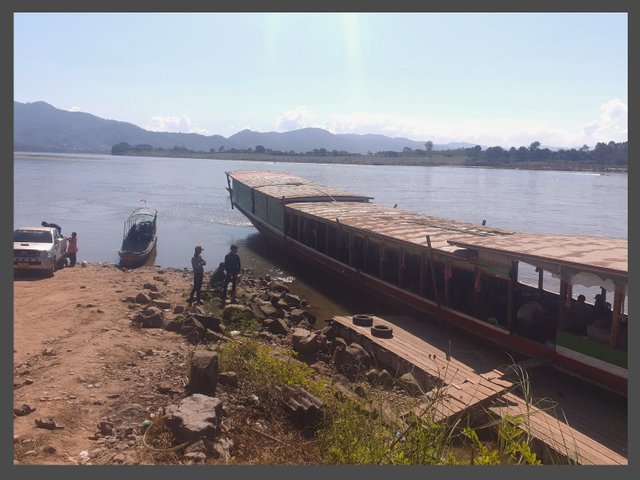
[291,188]
[582,252]
[143,212]
[399,224]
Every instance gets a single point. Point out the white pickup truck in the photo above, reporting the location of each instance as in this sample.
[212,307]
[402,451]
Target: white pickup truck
[38,248]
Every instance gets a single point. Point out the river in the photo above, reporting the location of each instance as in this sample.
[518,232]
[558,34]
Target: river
[93,195]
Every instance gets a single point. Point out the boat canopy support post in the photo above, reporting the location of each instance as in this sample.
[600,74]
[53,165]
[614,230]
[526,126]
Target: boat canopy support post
[513,282]
[618,307]
[566,292]
[540,280]
[433,280]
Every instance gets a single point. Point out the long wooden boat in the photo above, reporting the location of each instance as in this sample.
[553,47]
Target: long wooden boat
[462,274]
[139,237]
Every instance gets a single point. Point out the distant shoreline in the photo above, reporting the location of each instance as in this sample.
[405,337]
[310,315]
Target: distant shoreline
[436,161]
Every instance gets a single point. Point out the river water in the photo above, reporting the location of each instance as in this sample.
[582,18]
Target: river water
[93,195]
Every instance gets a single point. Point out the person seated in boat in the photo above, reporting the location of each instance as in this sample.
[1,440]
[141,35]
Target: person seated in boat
[601,315]
[579,317]
[532,321]
[217,277]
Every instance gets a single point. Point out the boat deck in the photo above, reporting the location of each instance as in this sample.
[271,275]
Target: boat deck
[470,377]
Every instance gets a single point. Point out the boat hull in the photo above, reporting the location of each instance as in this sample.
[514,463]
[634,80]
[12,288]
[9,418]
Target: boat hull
[136,259]
[591,370]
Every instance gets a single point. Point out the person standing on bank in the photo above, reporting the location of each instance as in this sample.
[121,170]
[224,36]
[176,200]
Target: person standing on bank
[198,263]
[72,249]
[232,267]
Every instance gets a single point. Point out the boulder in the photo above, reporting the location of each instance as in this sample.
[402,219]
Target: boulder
[276,325]
[161,304]
[152,317]
[305,342]
[203,374]
[191,325]
[195,417]
[352,360]
[278,287]
[142,298]
[337,342]
[292,300]
[296,315]
[409,383]
[269,311]
[150,286]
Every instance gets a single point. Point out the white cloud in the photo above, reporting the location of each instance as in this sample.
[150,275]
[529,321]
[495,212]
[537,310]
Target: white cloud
[74,108]
[176,124]
[611,124]
[293,119]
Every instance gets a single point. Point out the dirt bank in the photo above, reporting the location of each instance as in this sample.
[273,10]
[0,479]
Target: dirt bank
[77,358]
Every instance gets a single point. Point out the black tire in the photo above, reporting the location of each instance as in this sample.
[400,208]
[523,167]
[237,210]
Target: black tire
[382,331]
[362,320]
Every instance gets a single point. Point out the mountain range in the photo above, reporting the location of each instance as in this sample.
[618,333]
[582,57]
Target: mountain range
[41,127]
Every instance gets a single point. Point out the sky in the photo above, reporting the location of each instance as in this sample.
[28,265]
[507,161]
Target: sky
[486,78]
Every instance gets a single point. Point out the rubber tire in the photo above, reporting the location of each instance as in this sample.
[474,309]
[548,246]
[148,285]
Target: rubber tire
[382,331]
[362,320]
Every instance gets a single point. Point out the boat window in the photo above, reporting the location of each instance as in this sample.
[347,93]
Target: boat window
[461,290]
[332,242]
[358,252]
[343,247]
[372,258]
[321,237]
[410,278]
[391,265]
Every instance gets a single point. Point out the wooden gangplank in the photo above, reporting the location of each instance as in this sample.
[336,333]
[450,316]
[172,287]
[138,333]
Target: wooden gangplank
[556,435]
[464,389]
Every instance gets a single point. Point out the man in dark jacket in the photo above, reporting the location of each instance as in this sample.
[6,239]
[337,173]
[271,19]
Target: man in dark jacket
[198,263]
[232,267]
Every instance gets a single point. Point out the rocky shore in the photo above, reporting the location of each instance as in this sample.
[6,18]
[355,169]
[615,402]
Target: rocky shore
[113,366]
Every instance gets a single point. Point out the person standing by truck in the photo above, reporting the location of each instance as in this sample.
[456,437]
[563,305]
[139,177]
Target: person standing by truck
[72,249]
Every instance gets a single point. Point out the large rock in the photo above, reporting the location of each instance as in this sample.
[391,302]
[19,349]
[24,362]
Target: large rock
[296,315]
[203,374]
[142,298]
[192,329]
[304,342]
[352,360]
[409,383]
[278,287]
[292,300]
[269,311]
[195,417]
[276,325]
[164,305]
[152,317]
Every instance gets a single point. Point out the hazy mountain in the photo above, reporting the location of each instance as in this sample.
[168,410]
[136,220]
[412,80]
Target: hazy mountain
[39,126]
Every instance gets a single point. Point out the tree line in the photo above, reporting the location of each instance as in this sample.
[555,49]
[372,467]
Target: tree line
[605,154]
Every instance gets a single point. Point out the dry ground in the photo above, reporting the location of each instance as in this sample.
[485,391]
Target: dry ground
[78,360]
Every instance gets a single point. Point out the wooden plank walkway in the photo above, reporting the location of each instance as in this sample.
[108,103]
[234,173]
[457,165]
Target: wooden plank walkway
[556,435]
[461,388]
